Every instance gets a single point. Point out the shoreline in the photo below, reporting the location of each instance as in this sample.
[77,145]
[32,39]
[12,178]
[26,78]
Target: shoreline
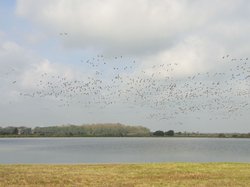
[125,137]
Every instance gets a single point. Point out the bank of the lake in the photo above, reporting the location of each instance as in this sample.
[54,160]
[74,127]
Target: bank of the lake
[105,130]
[154,174]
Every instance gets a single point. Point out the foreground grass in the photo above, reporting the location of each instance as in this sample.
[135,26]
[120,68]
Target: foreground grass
[160,174]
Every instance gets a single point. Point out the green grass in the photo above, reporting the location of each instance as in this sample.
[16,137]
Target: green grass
[160,174]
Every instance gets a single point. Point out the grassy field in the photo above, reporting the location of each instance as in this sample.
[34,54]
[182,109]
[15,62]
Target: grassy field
[160,174]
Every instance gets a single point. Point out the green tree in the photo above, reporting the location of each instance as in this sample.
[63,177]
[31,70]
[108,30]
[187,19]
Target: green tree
[221,135]
[169,133]
[158,133]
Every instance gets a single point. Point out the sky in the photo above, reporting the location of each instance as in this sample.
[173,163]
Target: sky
[181,65]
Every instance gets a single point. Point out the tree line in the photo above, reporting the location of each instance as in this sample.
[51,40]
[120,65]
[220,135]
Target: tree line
[106,130]
[93,130]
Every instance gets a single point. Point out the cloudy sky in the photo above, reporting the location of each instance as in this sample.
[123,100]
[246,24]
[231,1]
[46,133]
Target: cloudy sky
[162,64]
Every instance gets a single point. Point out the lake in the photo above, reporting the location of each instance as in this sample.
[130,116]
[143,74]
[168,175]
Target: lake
[123,150]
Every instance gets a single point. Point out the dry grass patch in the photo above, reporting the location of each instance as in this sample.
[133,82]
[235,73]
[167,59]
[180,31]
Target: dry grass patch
[160,174]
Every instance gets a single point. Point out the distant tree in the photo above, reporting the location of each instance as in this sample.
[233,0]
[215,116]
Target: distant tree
[15,130]
[9,131]
[221,135]
[158,133]
[235,136]
[109,129]
[27,131]
[24,130]
[169,133]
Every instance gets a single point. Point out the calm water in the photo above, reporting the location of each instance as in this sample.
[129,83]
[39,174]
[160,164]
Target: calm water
[126,150]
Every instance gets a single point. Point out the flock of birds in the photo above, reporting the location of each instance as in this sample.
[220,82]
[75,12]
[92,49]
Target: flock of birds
[224,94]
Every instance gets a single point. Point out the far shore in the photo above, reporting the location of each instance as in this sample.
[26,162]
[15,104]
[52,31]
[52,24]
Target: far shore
[182,136]
[108,130]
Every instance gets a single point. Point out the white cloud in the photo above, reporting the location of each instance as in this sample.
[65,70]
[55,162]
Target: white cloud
[14,56]
[191,56]
[35,38]
[25,67]
[141,26]
[193,33]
